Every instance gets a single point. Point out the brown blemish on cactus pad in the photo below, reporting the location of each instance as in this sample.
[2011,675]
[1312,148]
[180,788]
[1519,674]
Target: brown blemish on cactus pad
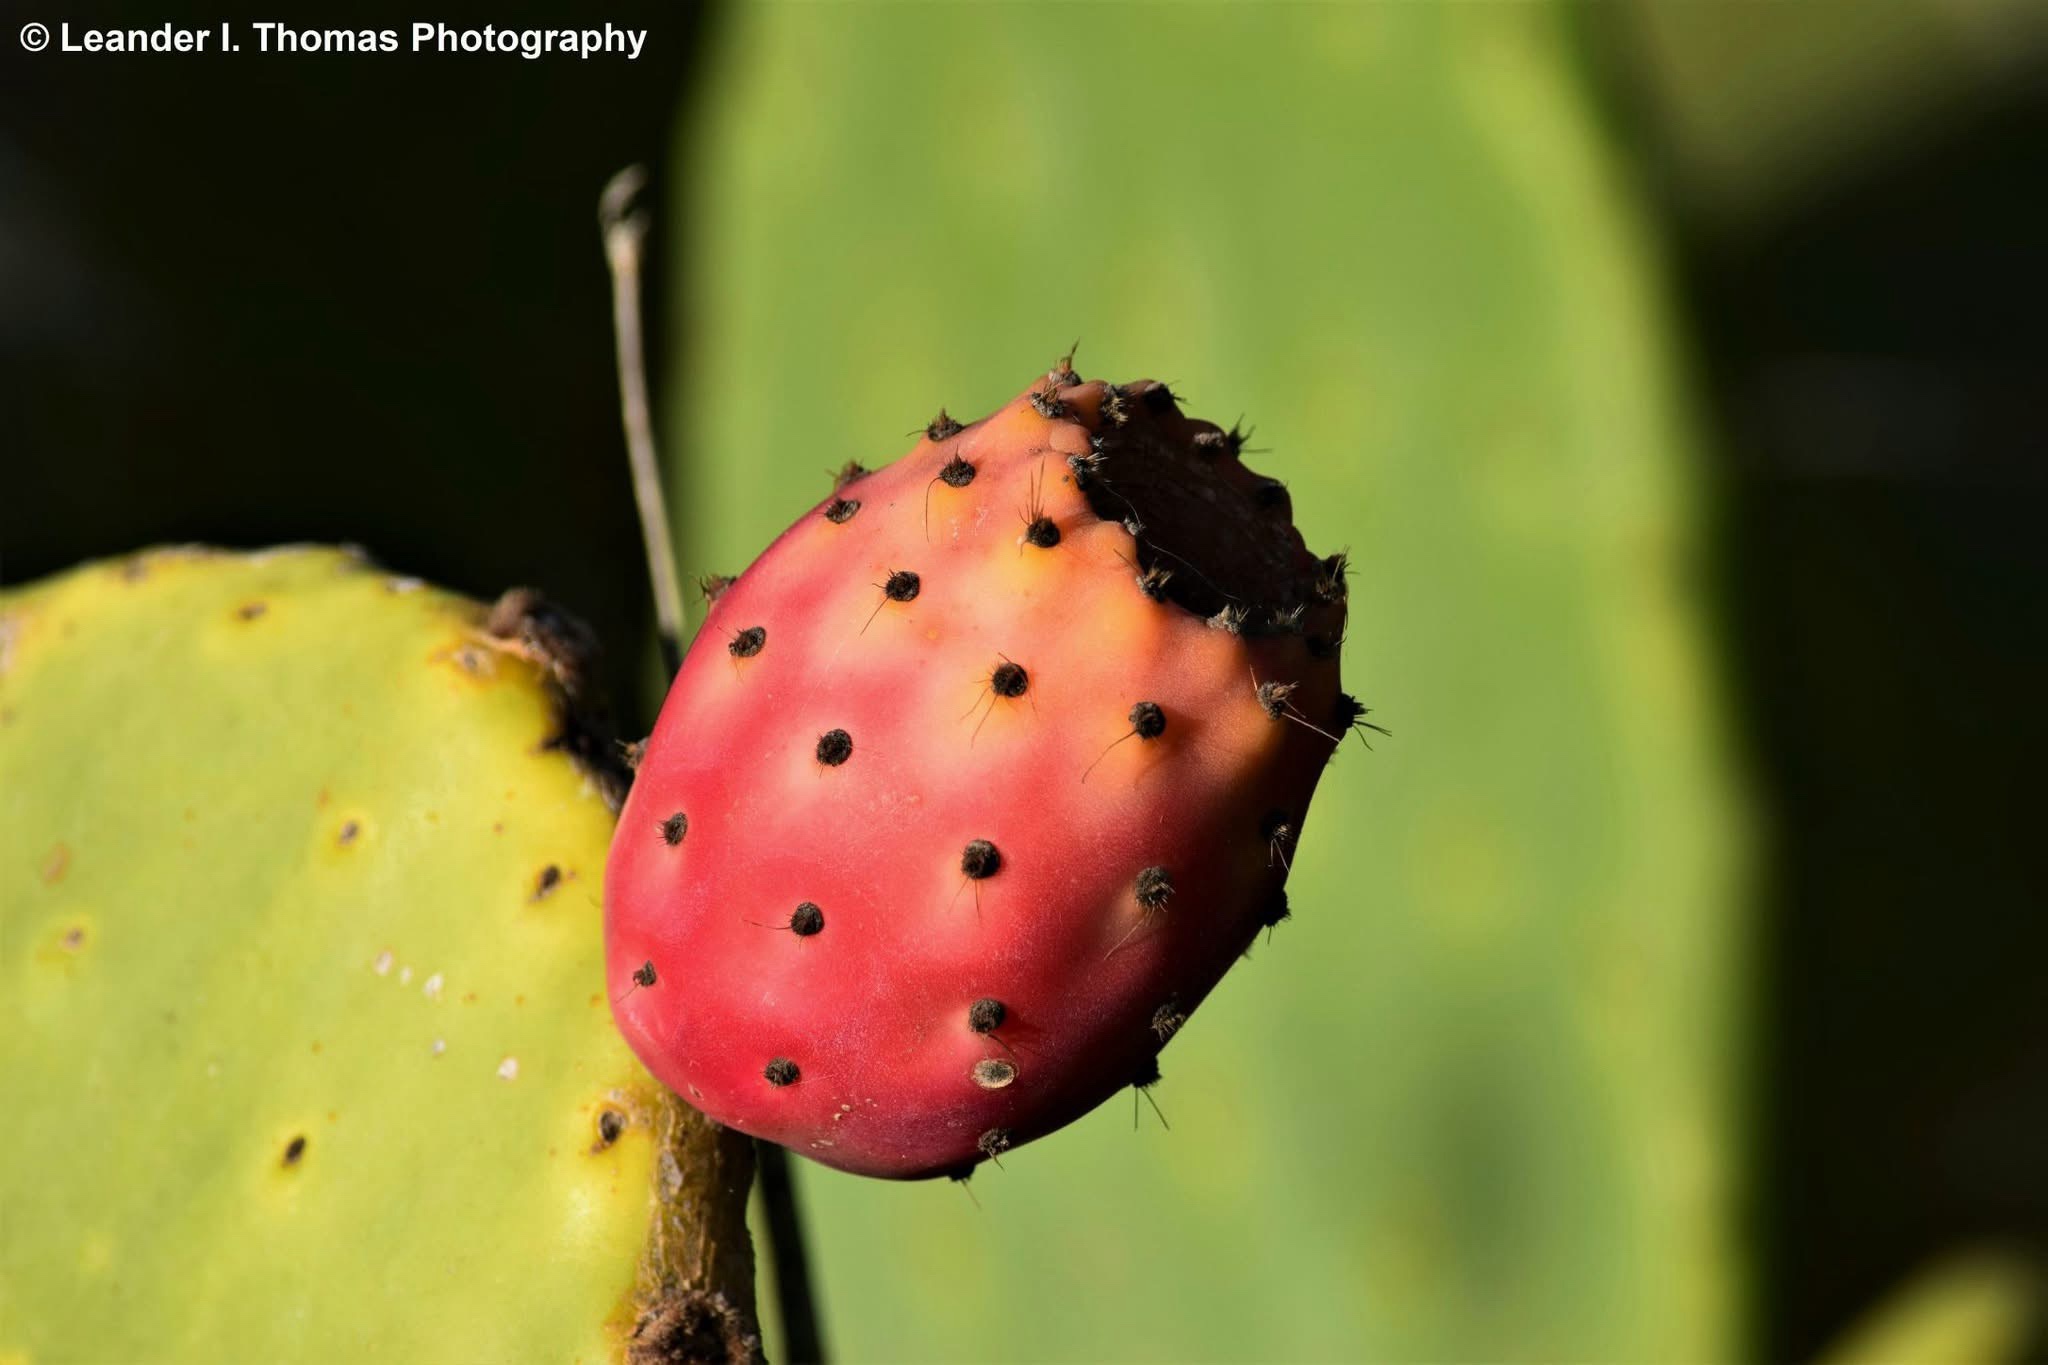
[986,1015]
[73,939]
[674,828]
[994,1143]
[781,1072]
[992,1073]
[839,511]
[1009,680]
[249,611]
[348,833]
[980,860]
[745,644]
[550,877]
[834,748]
[942,428]
[294,1151]
[610,1123]
[902,586]
[956,473]
[806,919]
[1043,532]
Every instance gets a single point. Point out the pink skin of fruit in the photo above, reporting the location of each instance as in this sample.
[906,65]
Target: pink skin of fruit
[851,1033]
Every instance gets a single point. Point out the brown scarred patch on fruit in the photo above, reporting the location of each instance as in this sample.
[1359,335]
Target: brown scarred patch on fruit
[1193,511]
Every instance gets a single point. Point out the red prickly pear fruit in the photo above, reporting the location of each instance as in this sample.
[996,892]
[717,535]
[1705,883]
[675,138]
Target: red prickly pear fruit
[976,783]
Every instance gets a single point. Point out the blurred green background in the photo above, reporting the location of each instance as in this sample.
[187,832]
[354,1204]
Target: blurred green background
[1475,1101]
[1665,987]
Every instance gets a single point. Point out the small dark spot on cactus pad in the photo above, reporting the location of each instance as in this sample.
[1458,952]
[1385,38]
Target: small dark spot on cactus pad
[993,1143]
[781,1071]
[550,877]
[1274,909]
[1042,532]
[1045,399]
[848,472]
[806,919]
[986,1015]
[1154,888]
[713,585]
[643,975]
[956,473]
[1147,1073]
[1009,680]
[294,1150]
[1148,721]
[674,828]
[745,644]
[610,1123]
[839,511]
[834,748]
[249,611]
[980,860]
[993,1073]
[1273,697]
[74,939]
[1167,1019]
[902,586]
[349,830]
[943,428]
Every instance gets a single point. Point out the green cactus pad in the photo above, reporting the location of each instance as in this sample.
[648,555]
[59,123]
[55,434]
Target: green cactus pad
[303,1049]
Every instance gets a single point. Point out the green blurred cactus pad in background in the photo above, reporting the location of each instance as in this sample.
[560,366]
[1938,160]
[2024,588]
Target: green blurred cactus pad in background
[1478,1099]
[303,1042]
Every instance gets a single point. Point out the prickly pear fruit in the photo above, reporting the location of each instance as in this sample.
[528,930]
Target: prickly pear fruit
[976,783]
[301,1047]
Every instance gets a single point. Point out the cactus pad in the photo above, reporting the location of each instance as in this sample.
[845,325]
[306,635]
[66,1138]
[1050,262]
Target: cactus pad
[302,1041]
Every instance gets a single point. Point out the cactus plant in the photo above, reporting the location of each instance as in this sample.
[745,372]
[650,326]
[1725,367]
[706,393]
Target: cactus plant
[302,1039]
[1012,742]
